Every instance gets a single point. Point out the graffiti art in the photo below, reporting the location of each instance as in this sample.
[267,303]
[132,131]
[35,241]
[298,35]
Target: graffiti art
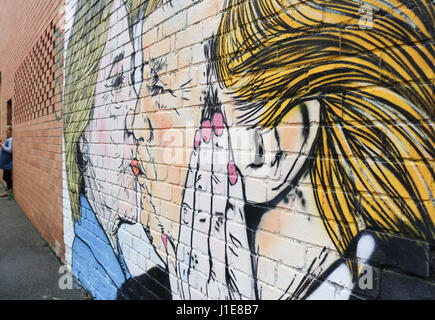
[298,136]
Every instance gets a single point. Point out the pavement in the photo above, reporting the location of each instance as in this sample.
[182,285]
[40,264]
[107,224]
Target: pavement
[29,270]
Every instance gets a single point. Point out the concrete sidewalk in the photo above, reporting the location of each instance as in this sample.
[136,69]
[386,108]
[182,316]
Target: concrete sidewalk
[29,270]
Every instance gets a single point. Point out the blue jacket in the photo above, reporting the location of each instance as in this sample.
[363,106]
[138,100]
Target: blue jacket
[94,262]
[6,155]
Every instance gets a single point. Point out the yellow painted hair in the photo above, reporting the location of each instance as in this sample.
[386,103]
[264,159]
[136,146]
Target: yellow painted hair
[86,44]
[371,162]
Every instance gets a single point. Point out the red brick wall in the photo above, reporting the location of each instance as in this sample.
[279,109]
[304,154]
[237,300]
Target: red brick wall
[31,58]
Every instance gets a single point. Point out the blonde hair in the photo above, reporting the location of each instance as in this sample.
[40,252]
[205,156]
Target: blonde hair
[370,164]
[85,47]
[89,33]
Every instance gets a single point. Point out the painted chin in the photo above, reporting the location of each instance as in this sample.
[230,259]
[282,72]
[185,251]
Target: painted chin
[258,191]
[272,178]
[145,203]
[127,180]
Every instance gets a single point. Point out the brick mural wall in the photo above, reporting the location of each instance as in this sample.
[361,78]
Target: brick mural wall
[31,66]
[261,149]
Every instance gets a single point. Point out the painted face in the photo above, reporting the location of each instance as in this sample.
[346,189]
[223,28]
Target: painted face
[110,143]
[168,112]
[272,159]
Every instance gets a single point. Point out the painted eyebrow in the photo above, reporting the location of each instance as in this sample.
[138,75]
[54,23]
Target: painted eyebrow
[156,65]
[116,60]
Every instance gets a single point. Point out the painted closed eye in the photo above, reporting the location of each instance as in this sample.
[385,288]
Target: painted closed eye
[117,82]
[158,87]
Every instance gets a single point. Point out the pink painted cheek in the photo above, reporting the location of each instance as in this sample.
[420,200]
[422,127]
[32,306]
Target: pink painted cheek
[101,131]
[206,130]
[232,173]
[218,123]
[102,137]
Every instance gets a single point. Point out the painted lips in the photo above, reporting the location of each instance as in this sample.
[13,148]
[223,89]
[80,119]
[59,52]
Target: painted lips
[135,167]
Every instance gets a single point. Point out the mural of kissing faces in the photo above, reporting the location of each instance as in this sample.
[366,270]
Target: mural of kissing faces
[297,159]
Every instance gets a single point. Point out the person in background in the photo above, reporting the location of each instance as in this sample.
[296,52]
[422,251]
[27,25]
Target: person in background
[6,162]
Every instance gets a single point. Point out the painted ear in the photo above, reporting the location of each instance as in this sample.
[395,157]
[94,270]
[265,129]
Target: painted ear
[82,153]
[259,150]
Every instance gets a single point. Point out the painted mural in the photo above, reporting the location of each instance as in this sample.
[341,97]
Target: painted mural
[266,149]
